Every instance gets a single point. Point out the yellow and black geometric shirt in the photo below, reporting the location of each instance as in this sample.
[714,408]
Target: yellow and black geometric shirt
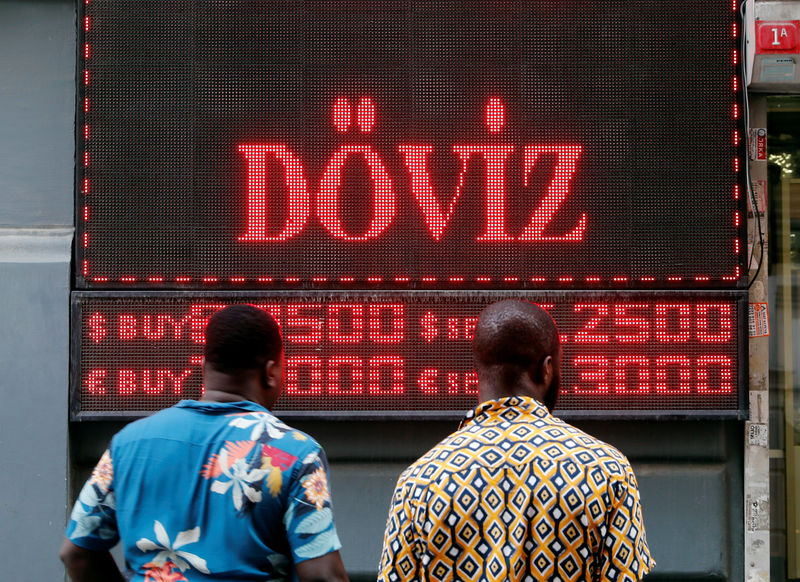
[516,494]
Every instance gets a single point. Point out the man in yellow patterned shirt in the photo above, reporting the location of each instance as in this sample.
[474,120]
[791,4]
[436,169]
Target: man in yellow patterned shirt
[516,494]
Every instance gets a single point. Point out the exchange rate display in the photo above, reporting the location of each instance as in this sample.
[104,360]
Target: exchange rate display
[380,171]
[397,353]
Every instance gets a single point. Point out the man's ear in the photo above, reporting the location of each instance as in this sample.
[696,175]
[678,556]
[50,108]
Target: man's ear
[271,374]
[547,371]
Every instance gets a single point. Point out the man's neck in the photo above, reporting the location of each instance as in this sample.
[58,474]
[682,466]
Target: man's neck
[494,392]
[221,387]
[212,395]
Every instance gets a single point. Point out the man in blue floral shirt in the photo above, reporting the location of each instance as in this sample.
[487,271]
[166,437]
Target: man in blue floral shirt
[217,489]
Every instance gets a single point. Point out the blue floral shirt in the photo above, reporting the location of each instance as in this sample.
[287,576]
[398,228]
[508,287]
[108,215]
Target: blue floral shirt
[209,491]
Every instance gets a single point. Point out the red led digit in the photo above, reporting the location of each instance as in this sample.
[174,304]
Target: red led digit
[594,371]
[294,365]
[724,368]
[303,327]
[354,366]
[299,200]
[623,318]
[667,315]
[349,316]
[558,190]
[391,366]
[724,322]
[681,370]
[623,365]
[384,205]
[392,314]
[587,335]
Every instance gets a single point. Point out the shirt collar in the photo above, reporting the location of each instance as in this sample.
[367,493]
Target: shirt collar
[507,408]
[238,406]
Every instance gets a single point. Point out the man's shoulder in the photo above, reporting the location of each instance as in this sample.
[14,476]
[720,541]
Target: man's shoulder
[438,458]
[144,426]
[584,448]
[550,438]
[251,423]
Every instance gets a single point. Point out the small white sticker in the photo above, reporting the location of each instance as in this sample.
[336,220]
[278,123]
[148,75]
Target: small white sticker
[759,320]
[757,513]
[757,435]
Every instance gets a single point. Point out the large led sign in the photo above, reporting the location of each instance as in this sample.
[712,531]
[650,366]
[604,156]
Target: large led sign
[375,173]
[400,353]
[410,144]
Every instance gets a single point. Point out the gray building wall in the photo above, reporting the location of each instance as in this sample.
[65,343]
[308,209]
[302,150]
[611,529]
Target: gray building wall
[690,472]
[37,97]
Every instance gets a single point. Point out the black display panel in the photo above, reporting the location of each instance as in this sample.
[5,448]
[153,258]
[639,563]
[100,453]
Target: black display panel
[409,144]
[353,354]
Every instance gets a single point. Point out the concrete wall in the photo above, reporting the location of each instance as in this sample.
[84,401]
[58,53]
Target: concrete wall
[37,97]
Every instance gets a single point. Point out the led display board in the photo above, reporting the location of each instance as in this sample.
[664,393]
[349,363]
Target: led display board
[435,144]
[374,173]
[404,353]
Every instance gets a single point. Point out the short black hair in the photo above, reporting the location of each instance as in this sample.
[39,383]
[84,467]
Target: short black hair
[516,335]
[241,338]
